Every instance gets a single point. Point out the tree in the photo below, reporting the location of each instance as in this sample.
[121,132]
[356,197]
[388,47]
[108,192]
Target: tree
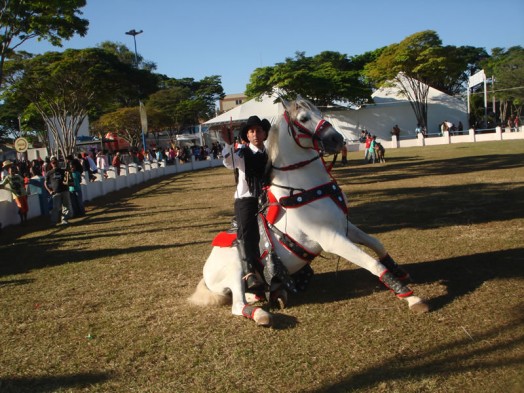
[507,69]
[65,87]
[419,62]
[126,123]
[323,79]
[187,102]
[51,20]
[125,55]
[21,119]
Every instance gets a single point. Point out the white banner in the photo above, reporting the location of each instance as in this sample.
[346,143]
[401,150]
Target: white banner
[477,78]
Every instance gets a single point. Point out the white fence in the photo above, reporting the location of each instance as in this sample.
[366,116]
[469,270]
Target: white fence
[130,175]
[446,138]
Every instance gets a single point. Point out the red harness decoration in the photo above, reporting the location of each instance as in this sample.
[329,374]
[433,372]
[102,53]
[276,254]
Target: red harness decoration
[273,207]
[331,190]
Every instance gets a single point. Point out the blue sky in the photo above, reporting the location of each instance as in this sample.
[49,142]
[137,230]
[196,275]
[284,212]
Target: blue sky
[230,38]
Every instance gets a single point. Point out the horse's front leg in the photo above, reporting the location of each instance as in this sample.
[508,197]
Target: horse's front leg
[226,273]
[356,235]
[339,244]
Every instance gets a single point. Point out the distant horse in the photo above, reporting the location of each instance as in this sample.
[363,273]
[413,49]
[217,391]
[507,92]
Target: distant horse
[380,152]
[307,214]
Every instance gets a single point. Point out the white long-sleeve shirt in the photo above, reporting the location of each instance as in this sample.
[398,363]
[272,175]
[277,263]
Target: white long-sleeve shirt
[234,161]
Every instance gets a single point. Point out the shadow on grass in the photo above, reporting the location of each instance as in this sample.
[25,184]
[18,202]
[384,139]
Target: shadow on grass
[453,358]
[46,383]
[460,276]
[5,283]
[409,167]
[53,257]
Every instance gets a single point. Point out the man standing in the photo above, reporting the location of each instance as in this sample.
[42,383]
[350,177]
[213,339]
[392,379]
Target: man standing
[56,184]
[250,161]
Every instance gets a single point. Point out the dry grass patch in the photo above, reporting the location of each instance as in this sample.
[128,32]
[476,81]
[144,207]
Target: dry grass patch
[100,306]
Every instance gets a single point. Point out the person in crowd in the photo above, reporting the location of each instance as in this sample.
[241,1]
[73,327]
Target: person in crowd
[372,144]
[369,138]
[250,161]
[36,186]
[171,155]
[15,183]
[363,135]
[46,166]
[55,183]
[159,156]
[344,153]
[117,163]
[86,167]
[4,172]
[396,131]
[101,163]
[75,187]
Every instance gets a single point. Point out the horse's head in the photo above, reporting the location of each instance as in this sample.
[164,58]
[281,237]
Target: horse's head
[309,129]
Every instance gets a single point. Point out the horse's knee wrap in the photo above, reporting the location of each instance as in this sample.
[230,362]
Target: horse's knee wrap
[393,283]
[390,264]
[249,311]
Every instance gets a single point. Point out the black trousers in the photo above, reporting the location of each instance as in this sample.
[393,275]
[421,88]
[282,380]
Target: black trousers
[246,210]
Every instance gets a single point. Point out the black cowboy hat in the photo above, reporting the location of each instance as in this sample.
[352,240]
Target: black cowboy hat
[254,121]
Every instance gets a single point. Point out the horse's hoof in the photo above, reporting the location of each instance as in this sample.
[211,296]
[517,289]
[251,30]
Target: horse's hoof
[419,308]
[279,299]
[262,318]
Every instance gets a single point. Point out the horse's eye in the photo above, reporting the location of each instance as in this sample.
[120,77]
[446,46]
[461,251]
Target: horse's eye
[303,117]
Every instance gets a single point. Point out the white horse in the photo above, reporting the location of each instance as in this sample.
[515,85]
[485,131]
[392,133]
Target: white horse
[310,213]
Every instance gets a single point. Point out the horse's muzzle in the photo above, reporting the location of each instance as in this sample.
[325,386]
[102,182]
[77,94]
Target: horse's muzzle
[332,141]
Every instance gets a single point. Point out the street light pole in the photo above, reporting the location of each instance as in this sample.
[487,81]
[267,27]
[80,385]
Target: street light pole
[143,118]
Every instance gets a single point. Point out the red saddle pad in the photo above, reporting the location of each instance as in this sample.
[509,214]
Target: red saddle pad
[224,239]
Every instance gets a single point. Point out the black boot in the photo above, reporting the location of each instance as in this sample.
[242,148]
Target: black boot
[393,283]
[390,264]
[249,273]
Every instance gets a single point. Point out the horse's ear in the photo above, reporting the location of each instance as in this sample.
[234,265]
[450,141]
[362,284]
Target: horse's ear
[285,103]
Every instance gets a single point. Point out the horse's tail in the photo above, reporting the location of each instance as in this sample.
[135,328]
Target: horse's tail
[204,297]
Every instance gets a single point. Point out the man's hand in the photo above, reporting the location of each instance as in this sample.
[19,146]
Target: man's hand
[226,135]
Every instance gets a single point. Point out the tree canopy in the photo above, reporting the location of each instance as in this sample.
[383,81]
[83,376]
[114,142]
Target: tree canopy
[323,79]
[419,62]
[506,67]
[65,87]
[51,20]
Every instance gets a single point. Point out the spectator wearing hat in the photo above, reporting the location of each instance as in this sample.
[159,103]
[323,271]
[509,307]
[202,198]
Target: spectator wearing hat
[56,185]
[15,183]
[250,161]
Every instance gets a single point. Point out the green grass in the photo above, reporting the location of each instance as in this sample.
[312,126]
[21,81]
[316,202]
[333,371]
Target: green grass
[100,306]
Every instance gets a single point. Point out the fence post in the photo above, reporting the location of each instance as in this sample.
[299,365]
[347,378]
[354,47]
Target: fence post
[498,132]
[472,135]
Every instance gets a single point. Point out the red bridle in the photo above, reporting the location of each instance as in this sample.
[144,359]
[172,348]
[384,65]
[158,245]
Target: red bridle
[299,132]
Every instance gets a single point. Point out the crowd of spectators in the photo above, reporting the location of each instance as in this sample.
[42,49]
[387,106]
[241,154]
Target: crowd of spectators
[54,177]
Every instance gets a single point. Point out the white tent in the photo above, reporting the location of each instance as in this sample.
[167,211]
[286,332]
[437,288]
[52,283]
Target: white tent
[390,108]
[263,108]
